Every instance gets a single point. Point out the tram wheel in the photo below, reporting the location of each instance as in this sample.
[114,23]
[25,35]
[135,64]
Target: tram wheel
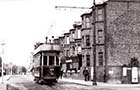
[41,82]
[36,80]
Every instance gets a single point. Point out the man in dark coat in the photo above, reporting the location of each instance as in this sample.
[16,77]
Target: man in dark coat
[61,73]
[86,74]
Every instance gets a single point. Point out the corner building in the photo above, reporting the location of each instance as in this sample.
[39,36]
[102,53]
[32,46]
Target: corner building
[117,27]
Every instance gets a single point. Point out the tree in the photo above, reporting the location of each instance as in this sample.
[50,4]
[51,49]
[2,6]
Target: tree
[14,69]
[134,62]
[24,70]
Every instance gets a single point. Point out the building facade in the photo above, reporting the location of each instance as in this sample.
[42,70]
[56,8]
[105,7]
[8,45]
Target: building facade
[113,29]
[122,40]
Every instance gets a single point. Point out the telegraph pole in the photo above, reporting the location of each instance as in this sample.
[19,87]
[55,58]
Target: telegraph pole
[2,44]
[94,43]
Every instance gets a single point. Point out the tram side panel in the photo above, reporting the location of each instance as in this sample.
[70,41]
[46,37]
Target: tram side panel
[37,68]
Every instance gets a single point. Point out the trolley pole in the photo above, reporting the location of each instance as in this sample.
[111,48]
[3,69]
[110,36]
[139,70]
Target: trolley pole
[94,43]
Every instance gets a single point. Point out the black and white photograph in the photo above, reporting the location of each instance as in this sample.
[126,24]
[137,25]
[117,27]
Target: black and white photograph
[69,44]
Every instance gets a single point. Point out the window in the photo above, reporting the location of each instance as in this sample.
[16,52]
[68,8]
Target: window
[99,15]
[51,60]
[82,39]
[88,60]
[100,36]
[73,35]
[79,33]
[87,40]
[73,50]
[57,60]
[87,22]
[45,60]
[67,52]
[79,48]
[68,42]
[100,58]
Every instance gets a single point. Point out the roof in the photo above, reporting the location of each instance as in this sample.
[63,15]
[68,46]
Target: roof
[72,30]
[47,47]
[66,33]
[86,14]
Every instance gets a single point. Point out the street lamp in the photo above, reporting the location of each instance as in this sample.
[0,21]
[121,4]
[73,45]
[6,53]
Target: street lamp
[2,44]
[94,43]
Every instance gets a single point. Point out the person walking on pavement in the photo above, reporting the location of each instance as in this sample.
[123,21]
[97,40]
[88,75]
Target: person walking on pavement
[61,73]
[86,74]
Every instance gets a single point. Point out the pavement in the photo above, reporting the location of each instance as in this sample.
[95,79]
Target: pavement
[99,84]
[5,79]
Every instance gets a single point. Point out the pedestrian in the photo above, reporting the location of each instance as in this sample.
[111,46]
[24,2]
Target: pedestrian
[86,74]
[61,73]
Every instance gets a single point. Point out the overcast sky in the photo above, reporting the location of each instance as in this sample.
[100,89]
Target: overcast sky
[25,22]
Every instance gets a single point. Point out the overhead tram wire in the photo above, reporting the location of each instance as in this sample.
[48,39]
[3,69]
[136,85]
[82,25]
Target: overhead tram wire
[72,7]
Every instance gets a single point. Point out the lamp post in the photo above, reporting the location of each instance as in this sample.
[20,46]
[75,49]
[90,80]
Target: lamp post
[94,43]
[2,44]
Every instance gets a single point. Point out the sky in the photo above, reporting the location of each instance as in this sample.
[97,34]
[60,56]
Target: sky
[25,22]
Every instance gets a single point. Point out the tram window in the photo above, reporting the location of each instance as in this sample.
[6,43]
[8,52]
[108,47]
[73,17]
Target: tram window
[57,61]
[45,60]
[51,60]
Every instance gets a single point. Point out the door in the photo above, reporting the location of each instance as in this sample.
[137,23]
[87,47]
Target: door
[134,75]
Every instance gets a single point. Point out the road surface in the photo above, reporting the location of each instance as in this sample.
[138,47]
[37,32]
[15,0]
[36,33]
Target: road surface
[25,82]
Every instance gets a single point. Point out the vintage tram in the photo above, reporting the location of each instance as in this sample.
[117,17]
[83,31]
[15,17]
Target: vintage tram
[46,65]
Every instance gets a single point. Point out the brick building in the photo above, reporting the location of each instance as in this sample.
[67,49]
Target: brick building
[120,27]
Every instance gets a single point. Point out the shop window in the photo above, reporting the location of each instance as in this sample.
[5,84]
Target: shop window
[100,58]
[79,48]
[88,60]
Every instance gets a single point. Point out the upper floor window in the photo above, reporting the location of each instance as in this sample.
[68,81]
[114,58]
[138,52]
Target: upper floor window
[79,33]
[99,15]
[73,36]
[86,22]
[87,40]
[100,36]
[67,41]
